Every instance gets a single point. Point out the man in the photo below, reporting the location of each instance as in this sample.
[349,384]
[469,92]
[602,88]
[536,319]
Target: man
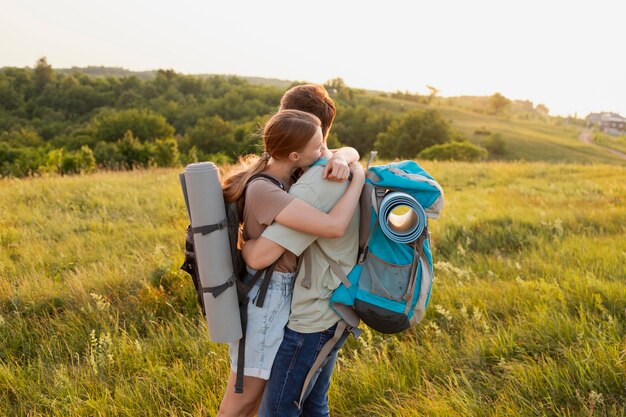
[312,322]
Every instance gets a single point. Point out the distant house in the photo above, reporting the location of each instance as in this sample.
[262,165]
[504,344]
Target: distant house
[611,123]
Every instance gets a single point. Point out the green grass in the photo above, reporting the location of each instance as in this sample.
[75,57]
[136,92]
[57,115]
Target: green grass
[610,141]
[527,315]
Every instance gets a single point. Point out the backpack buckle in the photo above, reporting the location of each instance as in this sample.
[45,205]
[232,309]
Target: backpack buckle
[355,331]
[362,257]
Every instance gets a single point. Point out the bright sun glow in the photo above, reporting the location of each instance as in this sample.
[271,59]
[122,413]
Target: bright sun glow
[564,54]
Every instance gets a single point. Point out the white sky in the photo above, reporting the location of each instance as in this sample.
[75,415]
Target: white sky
[568,55]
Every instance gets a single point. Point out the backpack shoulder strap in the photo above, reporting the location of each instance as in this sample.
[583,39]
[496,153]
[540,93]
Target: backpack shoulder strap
[321,357]
[334,266]
[320,162]
[418,250]
[244,289]
[342,326]
[267,176]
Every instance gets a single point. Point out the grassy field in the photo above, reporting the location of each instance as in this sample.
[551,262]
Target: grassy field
[527,316]
[609,141]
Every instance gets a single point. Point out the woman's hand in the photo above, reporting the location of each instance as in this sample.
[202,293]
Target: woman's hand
[357,171]
[336,169]
[303,217]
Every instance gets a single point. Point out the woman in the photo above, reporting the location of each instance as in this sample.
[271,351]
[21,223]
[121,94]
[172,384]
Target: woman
[292,139]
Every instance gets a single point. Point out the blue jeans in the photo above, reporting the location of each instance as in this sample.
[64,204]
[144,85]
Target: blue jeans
[295,357]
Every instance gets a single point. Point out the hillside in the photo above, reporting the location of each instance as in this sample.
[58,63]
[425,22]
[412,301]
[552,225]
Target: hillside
[527,315]
[80,119]
[100,71]
[551,140]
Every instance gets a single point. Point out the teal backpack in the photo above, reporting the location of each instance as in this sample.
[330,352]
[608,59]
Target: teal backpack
[389,287]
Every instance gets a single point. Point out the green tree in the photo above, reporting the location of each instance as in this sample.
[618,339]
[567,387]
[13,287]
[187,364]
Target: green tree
[411,132]
[165,152]
[542,109]
[43,74]
[359,126]
[495,144]
[10,99]
[86,159]
[74,98]
[144,124]
[333,142]
[212,135]
[498,103]
[69,164]
[338,86]
[335,85]
[454,151]
[23,161]
[133,152]
[53,161]
[108,155]
[23,137]
[433,93]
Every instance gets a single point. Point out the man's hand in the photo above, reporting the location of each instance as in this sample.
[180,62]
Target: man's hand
[336,169]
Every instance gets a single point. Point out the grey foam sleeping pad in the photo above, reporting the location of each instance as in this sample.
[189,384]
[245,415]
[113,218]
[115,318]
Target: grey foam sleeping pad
[215,266]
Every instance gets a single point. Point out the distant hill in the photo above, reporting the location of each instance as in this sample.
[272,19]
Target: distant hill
[528,135]
[525,131]
[274,82]
[101,71]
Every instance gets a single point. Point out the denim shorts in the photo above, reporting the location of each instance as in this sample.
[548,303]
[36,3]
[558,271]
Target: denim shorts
[266,326]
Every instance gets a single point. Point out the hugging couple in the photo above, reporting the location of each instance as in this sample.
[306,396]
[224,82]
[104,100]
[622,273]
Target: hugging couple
[308,216]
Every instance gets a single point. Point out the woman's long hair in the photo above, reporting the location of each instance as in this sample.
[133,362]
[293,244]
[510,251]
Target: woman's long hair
[286,132]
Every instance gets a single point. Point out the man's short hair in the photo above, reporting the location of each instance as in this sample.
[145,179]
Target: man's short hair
[314,99]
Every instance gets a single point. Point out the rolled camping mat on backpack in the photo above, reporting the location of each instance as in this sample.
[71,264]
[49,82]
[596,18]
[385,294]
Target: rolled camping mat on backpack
[215,268]
[401,218]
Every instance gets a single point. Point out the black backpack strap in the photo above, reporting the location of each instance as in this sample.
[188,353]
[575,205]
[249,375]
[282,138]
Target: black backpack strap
[190,266]
[242,292]
[241,349]
[269,177]
[363,254]
[244,288]
[183,183]
[210,228]
[260,298]
[217,290]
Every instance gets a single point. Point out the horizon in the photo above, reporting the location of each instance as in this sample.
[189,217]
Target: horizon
[580,116]
[559,54]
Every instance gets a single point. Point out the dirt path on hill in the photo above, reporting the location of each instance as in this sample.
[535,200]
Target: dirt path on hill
[587,137]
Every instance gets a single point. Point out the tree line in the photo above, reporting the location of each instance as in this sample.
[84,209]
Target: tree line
[70,122]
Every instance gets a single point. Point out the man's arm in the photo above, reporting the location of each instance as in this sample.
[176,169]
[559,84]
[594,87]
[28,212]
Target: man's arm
[277,238]
[347,153]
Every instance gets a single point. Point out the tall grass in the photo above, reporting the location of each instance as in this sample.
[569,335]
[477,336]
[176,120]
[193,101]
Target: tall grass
[527,315]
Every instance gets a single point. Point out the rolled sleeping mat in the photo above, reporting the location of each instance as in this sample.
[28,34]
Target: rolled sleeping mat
[205,204]
[402,225]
